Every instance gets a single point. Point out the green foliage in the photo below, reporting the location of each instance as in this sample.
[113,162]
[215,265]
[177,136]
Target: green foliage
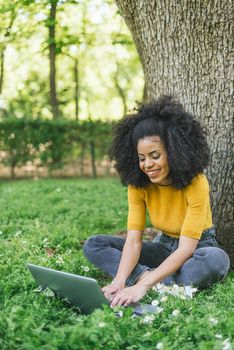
[51,141]
[45,222]
[29,100]
[91,33]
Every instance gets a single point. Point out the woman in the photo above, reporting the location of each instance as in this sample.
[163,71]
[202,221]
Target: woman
[160,153]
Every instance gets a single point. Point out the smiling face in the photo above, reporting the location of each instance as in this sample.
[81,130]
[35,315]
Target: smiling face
[153,160]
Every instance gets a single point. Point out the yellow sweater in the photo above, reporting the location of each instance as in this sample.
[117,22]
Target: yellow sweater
[175,212]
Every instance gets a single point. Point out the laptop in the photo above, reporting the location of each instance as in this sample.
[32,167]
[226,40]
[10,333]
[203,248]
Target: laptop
[82,292]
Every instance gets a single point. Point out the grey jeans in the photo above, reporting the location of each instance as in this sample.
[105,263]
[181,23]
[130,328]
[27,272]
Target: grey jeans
[209,264]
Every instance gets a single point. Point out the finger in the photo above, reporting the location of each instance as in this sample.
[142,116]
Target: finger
[123,300]
[119,299]
[107,295]
[110,295]
[105,288]
[128,301]
[108,290]
[115,300]
[111,289]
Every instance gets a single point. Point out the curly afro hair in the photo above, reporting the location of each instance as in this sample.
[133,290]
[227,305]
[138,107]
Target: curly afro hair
[183,138]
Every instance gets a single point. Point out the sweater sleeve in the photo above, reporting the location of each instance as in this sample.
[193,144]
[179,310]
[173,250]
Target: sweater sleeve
[197,197]
[136,209]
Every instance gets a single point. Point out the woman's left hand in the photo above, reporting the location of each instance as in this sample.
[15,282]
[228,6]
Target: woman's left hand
[129,295]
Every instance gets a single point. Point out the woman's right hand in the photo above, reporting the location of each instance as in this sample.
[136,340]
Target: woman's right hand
[110,290]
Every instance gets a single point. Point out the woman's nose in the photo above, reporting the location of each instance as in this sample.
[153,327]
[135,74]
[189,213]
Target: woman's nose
[148,163]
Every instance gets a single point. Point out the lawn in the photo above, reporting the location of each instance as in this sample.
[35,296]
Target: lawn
[45,222]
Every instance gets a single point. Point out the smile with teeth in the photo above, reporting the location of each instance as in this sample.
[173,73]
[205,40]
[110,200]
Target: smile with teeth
[152,172]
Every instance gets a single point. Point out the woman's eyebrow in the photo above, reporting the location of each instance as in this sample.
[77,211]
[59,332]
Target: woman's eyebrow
[156,150]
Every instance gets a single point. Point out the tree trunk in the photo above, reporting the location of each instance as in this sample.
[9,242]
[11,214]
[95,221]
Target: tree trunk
[185,49]
[2,54]
[76,95]
[52,58]
[2,57]
[82,159]
[13,164]
[92,153]
[120,90]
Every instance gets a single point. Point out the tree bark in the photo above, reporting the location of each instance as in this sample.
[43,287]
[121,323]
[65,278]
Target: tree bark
[52,58]
[2,58]
[2,54]
[120,90]
[185,48]
[93,159]
[82,158]
[76,94]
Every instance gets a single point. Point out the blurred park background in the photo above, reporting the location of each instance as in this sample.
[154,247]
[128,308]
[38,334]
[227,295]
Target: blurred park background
[69,70]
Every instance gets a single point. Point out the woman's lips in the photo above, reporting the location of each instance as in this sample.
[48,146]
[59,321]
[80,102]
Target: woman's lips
[153,173]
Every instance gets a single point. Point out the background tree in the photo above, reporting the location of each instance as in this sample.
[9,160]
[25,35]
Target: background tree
[51,23]
[7,23]
[126,67]
[8,30]
[101,37]
[185,50]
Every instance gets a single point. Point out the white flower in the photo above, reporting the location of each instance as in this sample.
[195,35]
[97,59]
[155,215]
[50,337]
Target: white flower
[58,190]
[1,232]
[48,292]
[59,260]
[120,313]
[213,320]
[164,298]
[101,324]
[18,233]
[85,268]
[175,290]
[159,346]
[189,291]
[159,310]
[218,336]
[148,319]
[160,288]
[175,312]
[147,334]
[226,345]
[155,302]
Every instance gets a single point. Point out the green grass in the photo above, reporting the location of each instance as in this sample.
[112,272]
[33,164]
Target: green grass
[45,222]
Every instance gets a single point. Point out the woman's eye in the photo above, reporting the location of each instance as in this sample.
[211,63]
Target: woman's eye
[155,157]
[141,159]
